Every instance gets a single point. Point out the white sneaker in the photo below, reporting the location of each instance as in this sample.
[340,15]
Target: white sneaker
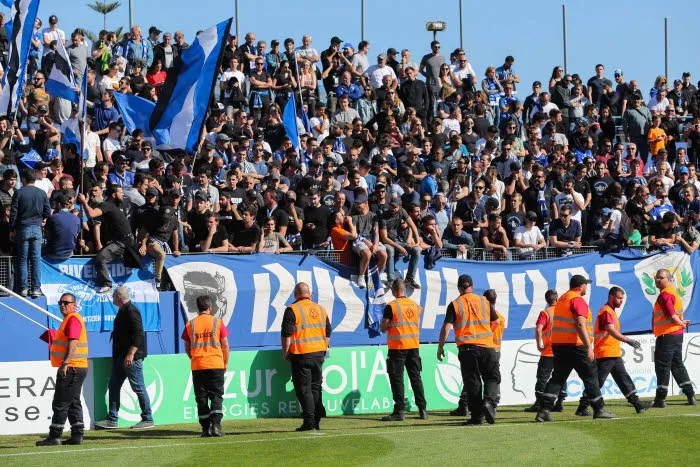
[104,289]
[361,282]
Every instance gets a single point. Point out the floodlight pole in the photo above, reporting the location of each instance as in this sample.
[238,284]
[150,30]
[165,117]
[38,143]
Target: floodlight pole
[666,47]
[563,18]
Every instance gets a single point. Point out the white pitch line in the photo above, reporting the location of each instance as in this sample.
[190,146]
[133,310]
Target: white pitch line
[336,435]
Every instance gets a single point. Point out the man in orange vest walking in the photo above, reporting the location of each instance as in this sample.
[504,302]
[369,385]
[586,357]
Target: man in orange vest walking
[572,346]
[401,322]
[497,328]
[471,316]
[545,365]
[68,353]
[206,343]
[607,338]
[668,325]
[306,331]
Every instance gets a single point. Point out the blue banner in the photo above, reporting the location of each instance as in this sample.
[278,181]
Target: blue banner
[252,292]
[78,276]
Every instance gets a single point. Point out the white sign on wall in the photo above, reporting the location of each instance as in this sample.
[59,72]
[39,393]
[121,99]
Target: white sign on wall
[26,393]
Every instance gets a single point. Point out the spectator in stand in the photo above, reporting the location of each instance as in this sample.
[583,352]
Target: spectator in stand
[662,234]
[390,223]
[247,233]
[367,244]
[30,208]
[565,232]
[343,232]
[528,237]
[456,240]
[689,237]
[596,85]
[495,238]
[61,230]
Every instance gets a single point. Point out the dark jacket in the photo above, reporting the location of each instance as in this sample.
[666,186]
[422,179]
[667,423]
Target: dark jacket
[30,206]
[415,94]
[128,332]
[159,53]
[560,96]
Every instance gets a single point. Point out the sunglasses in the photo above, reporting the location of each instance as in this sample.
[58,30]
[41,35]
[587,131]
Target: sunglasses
[64,302]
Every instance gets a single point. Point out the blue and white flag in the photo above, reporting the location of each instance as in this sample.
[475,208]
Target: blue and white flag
[23,15]
[305,120]
[61,82]
[78,276]
[7,3]
[289,120]
[82,102]
[135,111]
[181,110]
[31,158]
[376,300]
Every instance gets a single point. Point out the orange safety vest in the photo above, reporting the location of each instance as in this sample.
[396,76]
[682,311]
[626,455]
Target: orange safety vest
[497,328]
[59,346]
[206,352]
[547,333]
[473,323]
[661,323]
[564,322]
[605,345]
[404,329]
[309,333]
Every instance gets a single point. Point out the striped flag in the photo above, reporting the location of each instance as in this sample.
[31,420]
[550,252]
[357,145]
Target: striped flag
[183,102]
[61,82]
[23,15]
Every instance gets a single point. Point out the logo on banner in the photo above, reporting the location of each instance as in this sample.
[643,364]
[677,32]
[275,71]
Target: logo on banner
[85,294]
[523,375]
[448,378]
[130,409]
[677,263]
[198,278]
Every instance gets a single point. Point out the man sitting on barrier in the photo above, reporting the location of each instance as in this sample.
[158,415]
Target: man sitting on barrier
[367,243]
[565,232]
[389,223]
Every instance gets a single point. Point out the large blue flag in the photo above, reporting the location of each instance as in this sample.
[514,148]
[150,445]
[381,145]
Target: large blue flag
[289,120]
[181,110]
[23,15]
[31,158]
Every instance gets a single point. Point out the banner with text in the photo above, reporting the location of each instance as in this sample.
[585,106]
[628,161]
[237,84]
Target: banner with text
[251,292]
[78,276]
[258,383]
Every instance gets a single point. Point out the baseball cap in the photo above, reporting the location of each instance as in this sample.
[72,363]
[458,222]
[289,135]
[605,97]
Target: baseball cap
[202,195]
[361,199]
[335,40]
[380,186]
[209,146]
[151,192]
[606,212]
[438,165]
[618,72]
[683,170]
[153,30]
[578,280]
[391,50]
[531,216]
[119,157]
[348,45]
[222,137]
[395,201]
[382,56]
[42,108]
[291,195]
[146,144]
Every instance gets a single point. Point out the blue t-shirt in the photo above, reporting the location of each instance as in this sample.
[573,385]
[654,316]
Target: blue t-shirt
[121,180]
[103,116]
[62,231]
[34,51]
[428,185]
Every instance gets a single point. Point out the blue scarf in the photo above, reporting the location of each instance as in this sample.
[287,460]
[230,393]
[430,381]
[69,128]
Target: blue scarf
[542,202]
[339,145]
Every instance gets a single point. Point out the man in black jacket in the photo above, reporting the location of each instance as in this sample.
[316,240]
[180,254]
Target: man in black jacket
[414,93]
[128,352]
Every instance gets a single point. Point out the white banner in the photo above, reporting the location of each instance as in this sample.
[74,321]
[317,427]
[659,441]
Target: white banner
[519,370]
[26,393]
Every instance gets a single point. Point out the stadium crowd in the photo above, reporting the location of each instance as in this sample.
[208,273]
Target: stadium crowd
[403,154]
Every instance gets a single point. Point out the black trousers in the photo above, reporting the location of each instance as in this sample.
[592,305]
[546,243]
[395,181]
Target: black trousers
[614,366]
[110,252]
[410,359]
[481,376]
[668,359]
[569,358]
[66,403]
[209,394]
[307,376]
[544,371]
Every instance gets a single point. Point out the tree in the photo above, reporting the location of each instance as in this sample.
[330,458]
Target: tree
[104,8]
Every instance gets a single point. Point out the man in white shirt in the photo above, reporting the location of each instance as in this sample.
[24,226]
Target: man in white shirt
[545,105]
[359,60]
[529,237]
[306,52]
[571,198]
[463,70]
[319,123]
[112,142]
[52,33]
[41,171]
[376,73]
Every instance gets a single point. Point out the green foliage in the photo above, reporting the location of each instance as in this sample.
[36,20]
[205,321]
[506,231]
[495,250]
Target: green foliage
[650,285]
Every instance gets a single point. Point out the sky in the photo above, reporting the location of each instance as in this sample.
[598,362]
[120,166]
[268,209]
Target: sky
[623,34]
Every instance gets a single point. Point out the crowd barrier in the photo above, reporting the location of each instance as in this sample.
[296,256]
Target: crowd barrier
[258,384]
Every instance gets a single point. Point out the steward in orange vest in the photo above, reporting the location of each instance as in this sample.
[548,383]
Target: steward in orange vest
[471,316]
[607,338]
[543,338]
[401,322]
[668,325]
[572,346]
[306,331]
[206,343]
[68,353]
